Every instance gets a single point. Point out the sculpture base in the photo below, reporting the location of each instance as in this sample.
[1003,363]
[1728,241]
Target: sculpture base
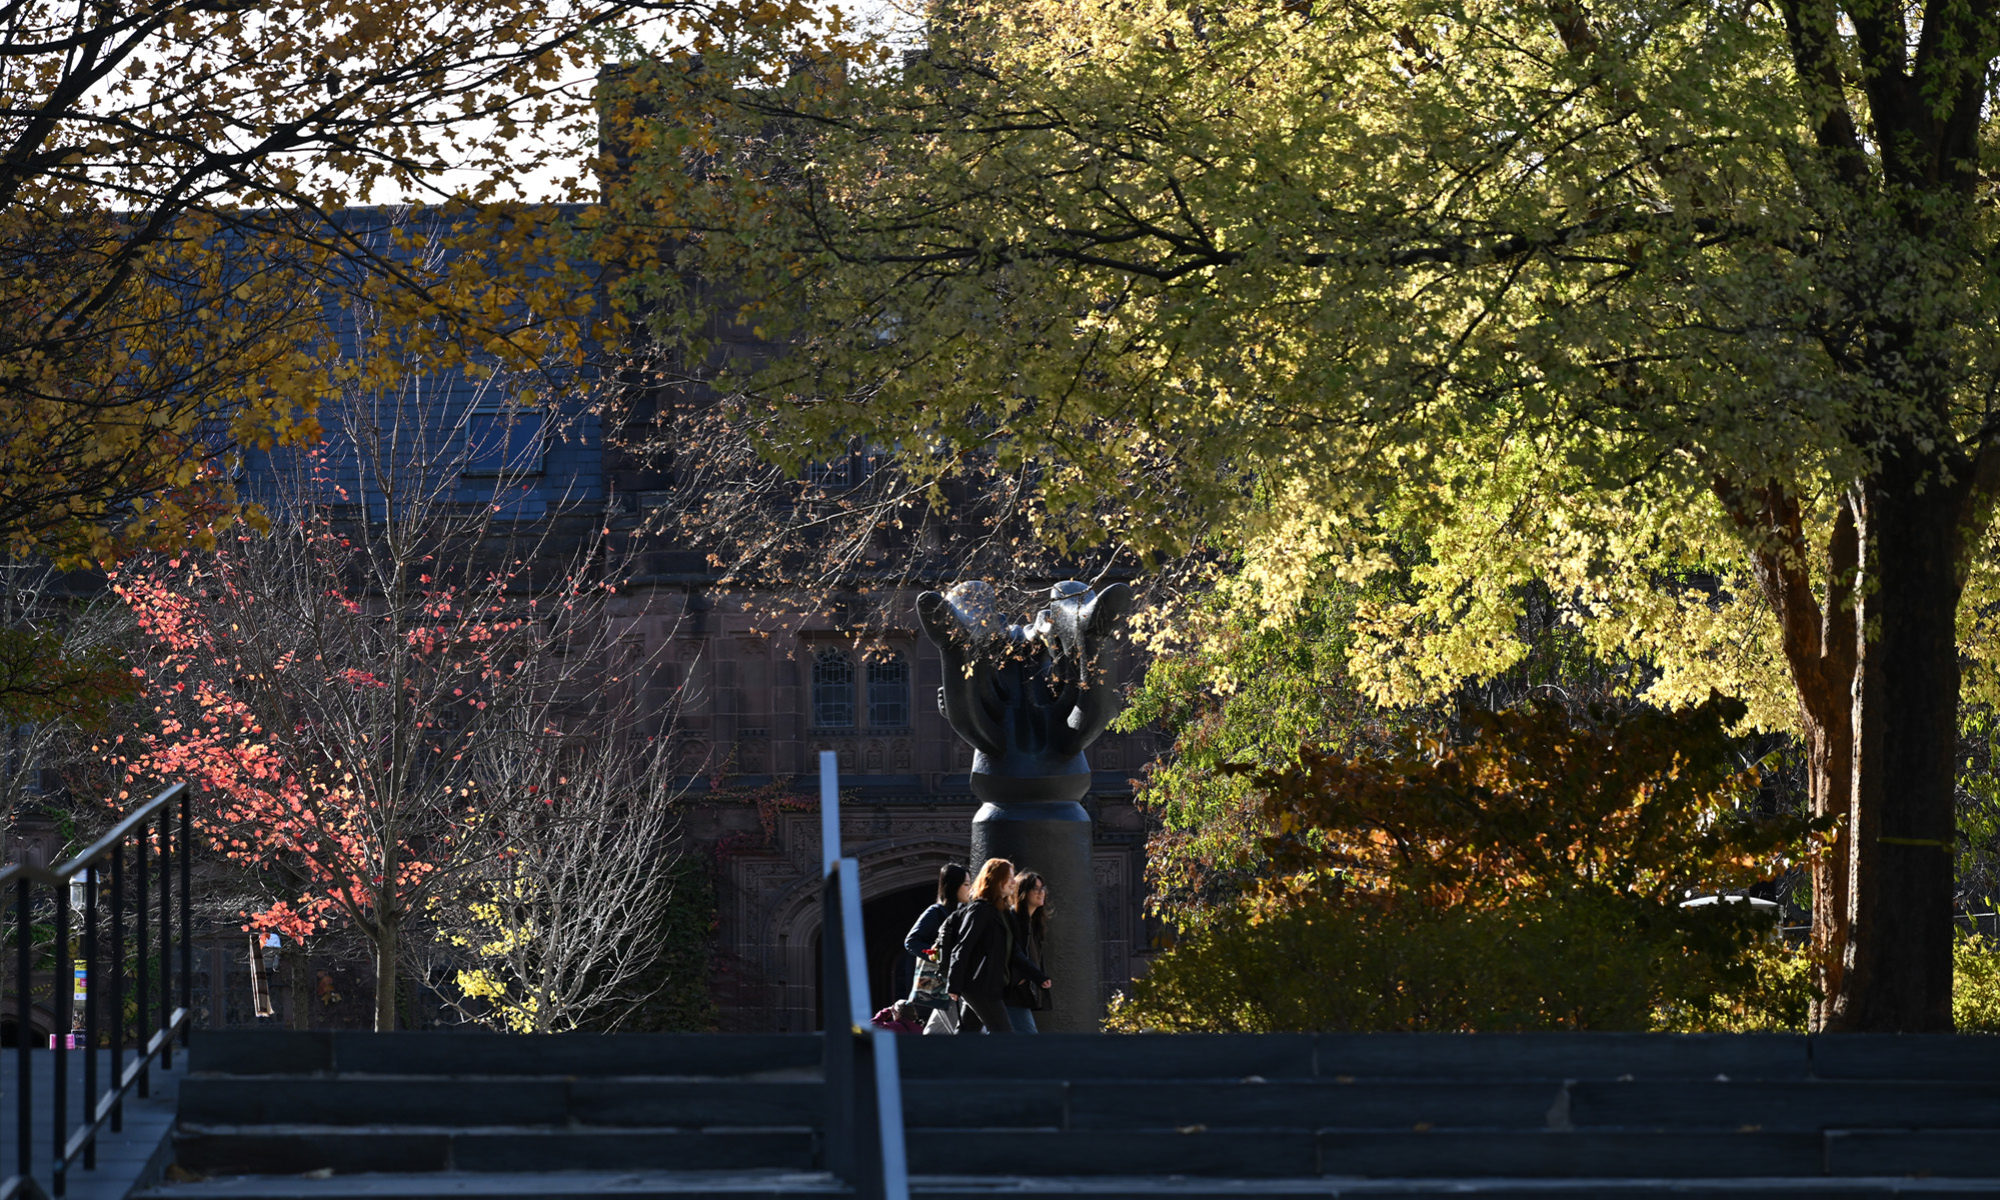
[1052,838]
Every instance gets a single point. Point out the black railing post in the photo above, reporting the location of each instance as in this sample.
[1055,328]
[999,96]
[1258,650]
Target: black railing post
[837,1045]
[84,900]
[187,913]
[836,1042]
[93,980]
[142,925]
[59,1058]
[864,1125]
[166,935]
[117,1005]
[24,968]
[864,1106]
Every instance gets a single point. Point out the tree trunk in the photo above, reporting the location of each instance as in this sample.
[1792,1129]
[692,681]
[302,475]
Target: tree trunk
[298,990]
[1821,641]
[1896,972]
[1875,665]
[388,929]
[1830,781]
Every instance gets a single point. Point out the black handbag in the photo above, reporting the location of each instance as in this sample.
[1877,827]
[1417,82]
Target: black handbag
[1026,993]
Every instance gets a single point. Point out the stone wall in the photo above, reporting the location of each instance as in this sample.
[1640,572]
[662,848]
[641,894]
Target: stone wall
[742,671]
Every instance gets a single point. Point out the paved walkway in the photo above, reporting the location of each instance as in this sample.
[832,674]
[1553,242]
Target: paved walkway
[123,1158]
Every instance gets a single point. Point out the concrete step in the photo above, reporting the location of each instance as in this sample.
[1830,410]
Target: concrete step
[1490,1057]
[404,1148]
[1811,1105]
[1665,1154]
[1469,1153]
[478,1054]
[1194,1150]
[524,1100]
[512,1185]
[1247,1153]
[1807,1105]
[1314,1104]
[1551,1056]
[778,1185]
[1096,1056]
[1905,1056]
[1672,1153]
[1362,1115]
[1960,1153]
[1436,1057]
[1276,1104]
[1181,1188]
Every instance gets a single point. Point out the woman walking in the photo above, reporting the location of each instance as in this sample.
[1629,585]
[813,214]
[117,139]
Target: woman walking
[1028,993]
[954,889]
[981,945]
[927,991]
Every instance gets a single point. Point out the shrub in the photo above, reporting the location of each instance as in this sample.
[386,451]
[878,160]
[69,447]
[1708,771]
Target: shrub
[1529,878]
[1975,987]
[1774,995]
[1546,963]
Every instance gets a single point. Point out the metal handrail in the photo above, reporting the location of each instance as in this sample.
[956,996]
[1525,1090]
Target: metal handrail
[119,832]
[864,1081]
[146,829]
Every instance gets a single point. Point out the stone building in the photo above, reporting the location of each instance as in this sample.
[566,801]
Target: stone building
[759,707]
[760,682]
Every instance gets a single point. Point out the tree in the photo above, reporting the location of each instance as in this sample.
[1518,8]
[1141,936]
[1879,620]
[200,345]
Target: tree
[848,527]
[1237,695]
[61,674]
[338,688]
[170,172]
[1528,877]
[1681,311]
[559,926]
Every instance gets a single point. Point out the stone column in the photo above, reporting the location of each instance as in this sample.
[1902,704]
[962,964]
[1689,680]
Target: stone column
[1052,837]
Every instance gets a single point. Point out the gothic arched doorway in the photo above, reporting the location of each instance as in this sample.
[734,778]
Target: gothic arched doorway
[885,921]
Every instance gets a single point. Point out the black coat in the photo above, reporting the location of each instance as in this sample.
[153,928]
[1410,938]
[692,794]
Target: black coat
[980,942]
[1025,990]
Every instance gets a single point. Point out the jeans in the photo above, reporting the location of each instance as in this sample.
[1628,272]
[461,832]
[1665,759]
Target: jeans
[1023,1019]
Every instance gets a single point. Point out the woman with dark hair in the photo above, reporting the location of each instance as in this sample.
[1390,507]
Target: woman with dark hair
[927,988]
[954,889]
[980,946]
[1028,993]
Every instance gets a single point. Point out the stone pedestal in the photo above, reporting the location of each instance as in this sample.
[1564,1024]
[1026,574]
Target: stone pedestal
[1053,838]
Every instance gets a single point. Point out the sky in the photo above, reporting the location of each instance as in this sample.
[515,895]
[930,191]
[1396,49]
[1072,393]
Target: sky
[894,20]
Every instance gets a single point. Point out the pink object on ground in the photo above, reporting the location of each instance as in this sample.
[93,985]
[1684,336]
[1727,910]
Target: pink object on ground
[887,1019]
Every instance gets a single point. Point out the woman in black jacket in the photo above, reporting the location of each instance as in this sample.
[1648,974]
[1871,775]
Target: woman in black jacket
[980,943]
[1029,916]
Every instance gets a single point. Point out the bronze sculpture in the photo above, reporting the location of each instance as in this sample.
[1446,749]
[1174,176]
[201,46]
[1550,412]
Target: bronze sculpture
[1030,699]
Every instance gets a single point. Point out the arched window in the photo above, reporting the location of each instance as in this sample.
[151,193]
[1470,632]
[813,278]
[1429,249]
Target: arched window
[833,690]
[888,692]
